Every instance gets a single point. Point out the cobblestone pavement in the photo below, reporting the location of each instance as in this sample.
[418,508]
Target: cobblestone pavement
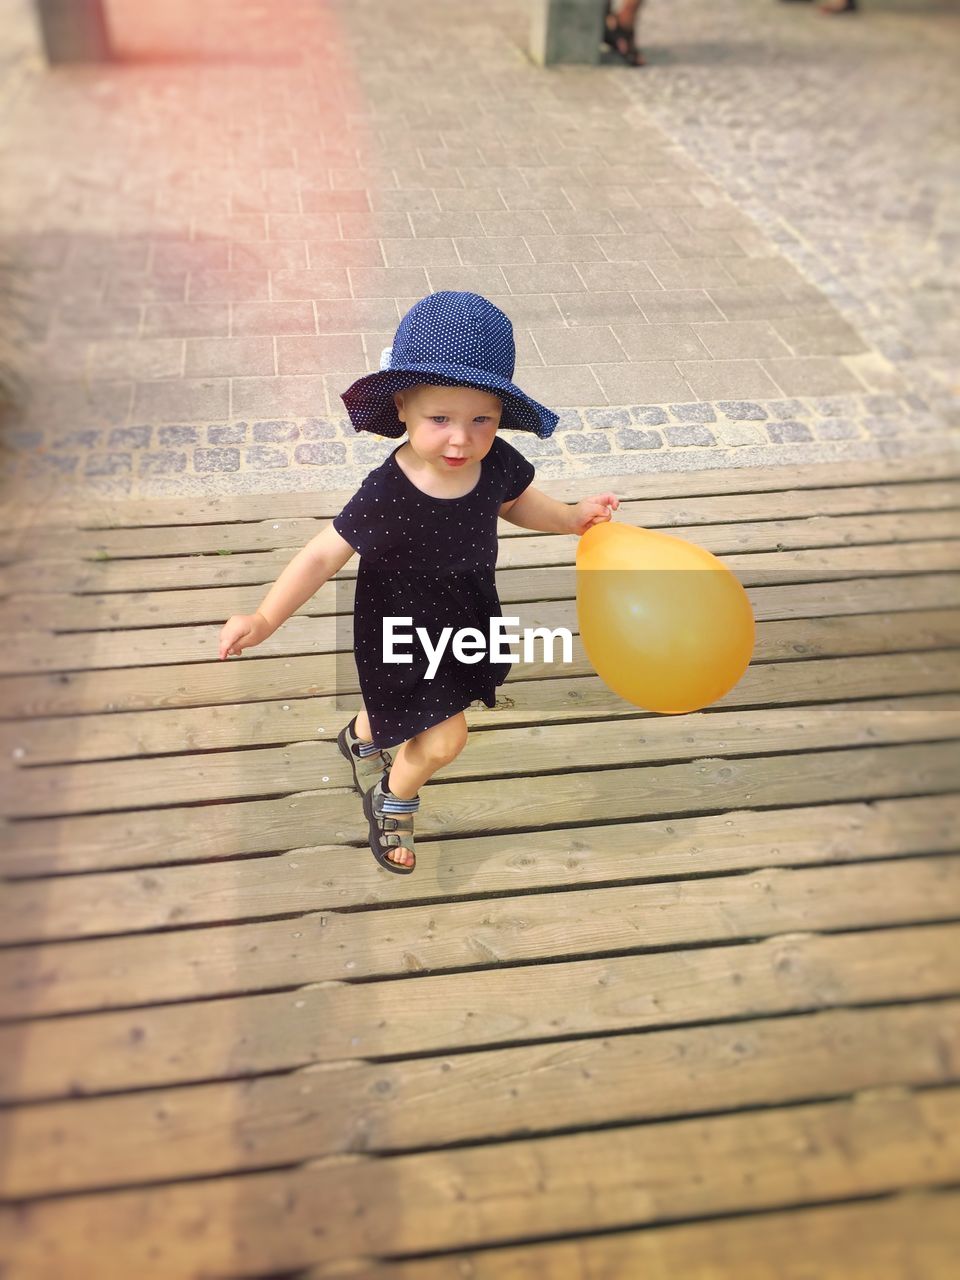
[845,152]
[221,234]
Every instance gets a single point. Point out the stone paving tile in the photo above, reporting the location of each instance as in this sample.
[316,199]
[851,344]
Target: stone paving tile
[495,223]
[228,286]
[455,201]
[690,273]
[428,223]
[571,384]
[819,336]
[658,341]
[705,244]
[185,320]
[188,398]
[594,345]
[761,271]
[611,277]
[373,226]
[585,309]
[563,249]
[637,221]
[335,254]
[741,338]
[594,222]
[605,195]
[392,200]
[675,305]
[387,282]
[321,283]
[432,251]
[272,318]
[736,435]
[482,279]
[710,379]
[356,314]
[474,250]
[223,357]
[142,358]
[753,302]
[273,255]
[332,353]
[295,396]
[626,248]
[656,380]
[305,199]
[543,277]
[127,290]
[811,376]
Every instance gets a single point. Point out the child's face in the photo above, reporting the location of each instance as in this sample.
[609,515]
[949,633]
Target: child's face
[449,427]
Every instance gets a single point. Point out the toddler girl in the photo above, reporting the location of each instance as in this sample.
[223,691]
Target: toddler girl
[425,526]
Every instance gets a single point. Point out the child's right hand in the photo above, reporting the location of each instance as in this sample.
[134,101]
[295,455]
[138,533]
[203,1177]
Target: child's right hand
[243,631]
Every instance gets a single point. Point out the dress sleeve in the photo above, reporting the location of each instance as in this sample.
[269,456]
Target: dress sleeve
[366,521]
[518,472]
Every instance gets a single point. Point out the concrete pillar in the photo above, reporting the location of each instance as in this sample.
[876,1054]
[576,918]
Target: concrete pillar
[73,30]
[566,31]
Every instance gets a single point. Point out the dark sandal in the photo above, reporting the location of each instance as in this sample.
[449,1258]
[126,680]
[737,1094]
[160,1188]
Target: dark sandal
[609,33]
[620,40]
[390,830]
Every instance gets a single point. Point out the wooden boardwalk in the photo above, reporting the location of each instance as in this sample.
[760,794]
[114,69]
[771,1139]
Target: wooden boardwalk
[667,997]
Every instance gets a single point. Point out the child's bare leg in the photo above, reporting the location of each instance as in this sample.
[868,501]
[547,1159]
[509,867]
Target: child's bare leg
[362,727]
[418,760]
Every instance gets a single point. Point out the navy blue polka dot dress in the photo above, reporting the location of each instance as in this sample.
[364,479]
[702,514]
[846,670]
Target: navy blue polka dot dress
[432,560]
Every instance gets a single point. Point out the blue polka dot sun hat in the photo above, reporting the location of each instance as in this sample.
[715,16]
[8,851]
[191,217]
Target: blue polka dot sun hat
[447,339]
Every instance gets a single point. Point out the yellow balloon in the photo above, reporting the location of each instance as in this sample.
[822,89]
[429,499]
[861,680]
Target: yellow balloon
[665,624]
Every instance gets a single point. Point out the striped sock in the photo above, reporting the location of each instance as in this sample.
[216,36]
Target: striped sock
[363,748]
[393,804]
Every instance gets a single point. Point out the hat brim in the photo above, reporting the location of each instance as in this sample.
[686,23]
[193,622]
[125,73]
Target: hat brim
[369,400]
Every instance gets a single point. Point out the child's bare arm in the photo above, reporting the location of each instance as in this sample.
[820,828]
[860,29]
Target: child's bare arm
[535,510]
[310,568]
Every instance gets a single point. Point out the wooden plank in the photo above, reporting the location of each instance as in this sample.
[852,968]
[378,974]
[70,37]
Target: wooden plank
[102,512]
[238,1036]
[650,513]
[302,766]
[326,879]
[507,1192]
[190,964]
[164,573]
[230,830]
[776,571]
[900,1237]
[207,1129]
[264,679]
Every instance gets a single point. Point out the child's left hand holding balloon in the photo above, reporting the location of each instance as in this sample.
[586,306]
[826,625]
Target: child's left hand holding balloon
[591,511]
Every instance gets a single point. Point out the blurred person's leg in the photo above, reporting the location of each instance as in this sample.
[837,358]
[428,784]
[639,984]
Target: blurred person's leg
[620,32]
